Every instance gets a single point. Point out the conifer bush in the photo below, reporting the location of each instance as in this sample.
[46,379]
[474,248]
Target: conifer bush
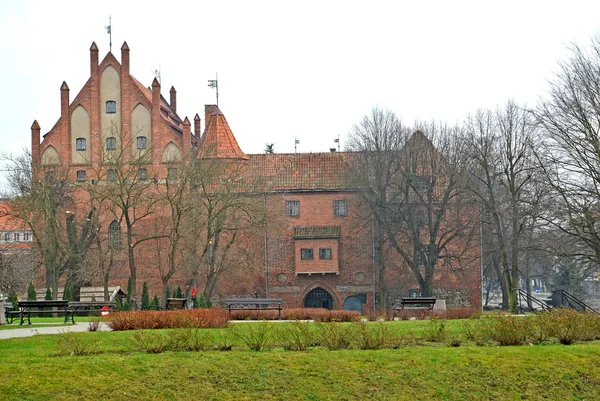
[31,294]
[145,297]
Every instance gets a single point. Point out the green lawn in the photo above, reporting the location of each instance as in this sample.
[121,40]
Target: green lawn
[30,370]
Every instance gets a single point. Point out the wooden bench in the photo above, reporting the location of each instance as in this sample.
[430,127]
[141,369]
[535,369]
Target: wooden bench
[10,314]
[88,307]
[415,303]
[175,303]
[26,308]
[254,304]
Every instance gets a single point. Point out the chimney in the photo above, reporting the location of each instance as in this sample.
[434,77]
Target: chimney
[125,59]
[197,126]
[94,60]
[35,143]
[187,139]
[173,93]
[156,96]
[332,150]
[208,109]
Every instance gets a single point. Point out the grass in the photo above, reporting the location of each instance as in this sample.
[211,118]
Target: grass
[31,370]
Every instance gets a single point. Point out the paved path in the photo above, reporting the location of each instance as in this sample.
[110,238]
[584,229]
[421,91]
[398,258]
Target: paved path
[28,332]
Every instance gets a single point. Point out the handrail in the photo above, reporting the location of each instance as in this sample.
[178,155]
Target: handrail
[530,301]
[570,298]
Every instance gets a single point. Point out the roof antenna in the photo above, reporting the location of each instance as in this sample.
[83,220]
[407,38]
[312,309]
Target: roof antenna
[337,140]
[157,74]
[214,83]
[296,143]
[109,31]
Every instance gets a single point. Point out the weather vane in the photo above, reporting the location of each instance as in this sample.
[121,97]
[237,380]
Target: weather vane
[109,31]
[214,83]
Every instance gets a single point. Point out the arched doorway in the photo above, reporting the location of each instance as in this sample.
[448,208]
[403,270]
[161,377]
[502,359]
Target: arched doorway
[318,298]
[353,303]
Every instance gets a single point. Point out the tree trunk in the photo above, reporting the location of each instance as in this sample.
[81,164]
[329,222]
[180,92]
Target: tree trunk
[105,278]
[132,269]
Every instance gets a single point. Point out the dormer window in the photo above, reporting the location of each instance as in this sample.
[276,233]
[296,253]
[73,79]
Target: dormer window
[80,144]
[142,142]
[111,143]
[111,107]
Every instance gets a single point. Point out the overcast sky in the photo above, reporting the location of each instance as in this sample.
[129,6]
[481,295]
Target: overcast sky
[306,69]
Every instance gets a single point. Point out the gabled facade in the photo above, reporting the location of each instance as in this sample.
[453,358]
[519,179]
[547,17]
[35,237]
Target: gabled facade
[315,253]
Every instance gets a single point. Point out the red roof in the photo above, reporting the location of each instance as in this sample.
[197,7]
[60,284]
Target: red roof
[218,141]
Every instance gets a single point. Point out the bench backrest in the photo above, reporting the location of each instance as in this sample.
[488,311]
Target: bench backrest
[175,302]
[92,304]
[422,300]
[252,301]
[43,304]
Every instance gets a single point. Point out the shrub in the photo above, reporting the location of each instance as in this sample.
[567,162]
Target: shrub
[296,336]
[334,335]
[506,330]
[371,336]
[178,293]
[71,344]
[316,314]
[567,325]
[153,303]
[31,294]
[137,320]
[591,326]
[152,342]
[435,331]
[67,296]
[145,297]
[454,342]
[256,336]
[191,339]
[48,296]
[94,325]
[12,298]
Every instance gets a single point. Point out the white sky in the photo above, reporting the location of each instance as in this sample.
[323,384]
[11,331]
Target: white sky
[304,69]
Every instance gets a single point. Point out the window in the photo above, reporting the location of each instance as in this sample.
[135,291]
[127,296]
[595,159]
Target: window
[111,107]
[111,143]
[142,142]
[340,208]
[25,236]
[172,173]
[293,208]
[17,236]
[80,144]
[142,175]
[325,253]
[306,254]
[114,235]
[419,218]
[80,175]
[111,175]
[6,237]
[421,183]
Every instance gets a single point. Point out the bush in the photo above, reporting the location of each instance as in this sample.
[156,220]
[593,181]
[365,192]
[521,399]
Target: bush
[67,296]
[296,336]
[334,335]
[153,303]
[316,314]
[152,342]
[31,294]
[371,336]
[145,297]
[48,296]
[194,318]
[191,339]
[12,298]
[567,325]
[435,330]
[506,330]
[72,344]
[94,325]
[256,336]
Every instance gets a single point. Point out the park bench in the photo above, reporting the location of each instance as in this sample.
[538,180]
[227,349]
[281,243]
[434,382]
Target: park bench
[10,314]
[175,303]
[415,303]
[26,308]
[91,307]
[254,304]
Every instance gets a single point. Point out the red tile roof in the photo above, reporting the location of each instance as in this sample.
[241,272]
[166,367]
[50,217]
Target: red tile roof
[218,141]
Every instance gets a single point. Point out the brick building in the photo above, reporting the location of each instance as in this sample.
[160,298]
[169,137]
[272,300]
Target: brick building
[317,254]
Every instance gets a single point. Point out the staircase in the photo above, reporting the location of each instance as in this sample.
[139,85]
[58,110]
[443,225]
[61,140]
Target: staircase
[562,299]
[533,304]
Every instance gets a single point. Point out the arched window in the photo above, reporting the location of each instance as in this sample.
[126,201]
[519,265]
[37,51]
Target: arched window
[114,235]
[111,143]
[142,142]
[80,144]
[111,107]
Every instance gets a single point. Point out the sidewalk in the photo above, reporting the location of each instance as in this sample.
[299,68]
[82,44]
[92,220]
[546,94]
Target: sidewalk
[28,332]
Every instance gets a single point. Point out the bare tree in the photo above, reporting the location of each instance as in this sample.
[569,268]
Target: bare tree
[16,270]
[415,186]
[225,207]
[129,190]
[41,198]
[570,118]
[507,182]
